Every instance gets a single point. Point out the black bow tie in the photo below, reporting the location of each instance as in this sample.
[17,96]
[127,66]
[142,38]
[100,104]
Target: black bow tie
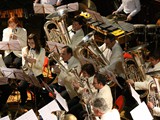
[66,62]
[73,31]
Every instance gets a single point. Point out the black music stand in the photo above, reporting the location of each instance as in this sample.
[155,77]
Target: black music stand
[18,74]
[12,45]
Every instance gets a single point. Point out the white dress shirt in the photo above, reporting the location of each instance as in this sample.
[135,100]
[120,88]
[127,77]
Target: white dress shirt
[111,115]
[66,79]
[21,34]
[52,2]
[131,7]
[105,93]
[38,66]
[116,56]
[75,37]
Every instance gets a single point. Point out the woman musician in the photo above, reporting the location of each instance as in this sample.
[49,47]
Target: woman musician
[33,56]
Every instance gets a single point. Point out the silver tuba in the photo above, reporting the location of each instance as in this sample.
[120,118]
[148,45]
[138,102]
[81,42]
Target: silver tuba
[56,27]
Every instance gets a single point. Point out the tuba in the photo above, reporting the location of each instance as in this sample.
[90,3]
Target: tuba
[56,27]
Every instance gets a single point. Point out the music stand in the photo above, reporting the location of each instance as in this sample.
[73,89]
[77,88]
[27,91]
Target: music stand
[12,45]
[43,8]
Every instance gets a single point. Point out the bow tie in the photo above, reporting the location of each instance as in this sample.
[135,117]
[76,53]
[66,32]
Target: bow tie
[73,31]
[66,62]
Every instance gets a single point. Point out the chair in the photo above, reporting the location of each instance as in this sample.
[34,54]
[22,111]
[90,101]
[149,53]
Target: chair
[120,103]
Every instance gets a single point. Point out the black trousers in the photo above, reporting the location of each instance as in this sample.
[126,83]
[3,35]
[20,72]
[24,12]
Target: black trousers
[5,90]
[12,60]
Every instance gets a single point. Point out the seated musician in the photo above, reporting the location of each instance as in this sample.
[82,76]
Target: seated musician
[116,55]
[64,68]
[103,90]
[33,56]
[101,110]
[76,32]
[14,31]
[85,90]
[154,59]
[52,2]
[130,8]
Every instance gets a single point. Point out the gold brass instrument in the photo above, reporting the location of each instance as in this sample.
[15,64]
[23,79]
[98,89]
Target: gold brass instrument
[154,94]
[134,67]
[58,32]
[88,45]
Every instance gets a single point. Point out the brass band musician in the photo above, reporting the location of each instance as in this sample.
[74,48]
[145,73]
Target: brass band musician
[102,112]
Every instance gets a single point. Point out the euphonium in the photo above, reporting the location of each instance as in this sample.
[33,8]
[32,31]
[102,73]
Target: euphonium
[154,94]
[58,32]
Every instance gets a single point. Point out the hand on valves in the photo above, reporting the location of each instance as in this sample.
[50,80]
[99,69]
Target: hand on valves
[130,81]
[13,37]
[29,59]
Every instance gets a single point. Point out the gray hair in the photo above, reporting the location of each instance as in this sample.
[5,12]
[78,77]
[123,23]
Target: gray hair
[100,104]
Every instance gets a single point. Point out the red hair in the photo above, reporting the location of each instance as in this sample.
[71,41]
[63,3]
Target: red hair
[15,20]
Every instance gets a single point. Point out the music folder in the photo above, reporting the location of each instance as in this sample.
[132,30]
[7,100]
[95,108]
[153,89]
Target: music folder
[43,8]
[12,45]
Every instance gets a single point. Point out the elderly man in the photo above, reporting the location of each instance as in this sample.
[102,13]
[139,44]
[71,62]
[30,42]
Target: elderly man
[101,110]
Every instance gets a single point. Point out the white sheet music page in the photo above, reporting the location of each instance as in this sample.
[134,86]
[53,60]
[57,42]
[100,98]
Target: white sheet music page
[61,100]
[141,112]
[30,115]
[38,8]
[61,7]
[73,7]
[53,46]
[48,8]
[46,111]
[5,118]
[8,72]
[135,95]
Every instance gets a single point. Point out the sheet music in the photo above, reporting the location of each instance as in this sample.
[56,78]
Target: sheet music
[48,8]
[61,100]
[5,118]
[135,95]
[52,46]
[141,112]
[91,14]
[12,45]
[73,7]
[3,80]
[8,72]
[38,8]
[30,115]
[46,111]
[98,17]
[61,7]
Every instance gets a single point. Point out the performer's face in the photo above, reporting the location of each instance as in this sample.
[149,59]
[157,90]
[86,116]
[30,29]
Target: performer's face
[76,26]
[31,43]
[108,43]
[96,84]
[12,25]
[153,61]
[65,56]
[85,74]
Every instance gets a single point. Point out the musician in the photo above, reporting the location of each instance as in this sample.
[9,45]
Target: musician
[14,31]
[154,59]
[103,90]
[116,55]
[76,32]
[33,56]
[130,8]
[65,76]
[52,2]
[101,110]
[86,91]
